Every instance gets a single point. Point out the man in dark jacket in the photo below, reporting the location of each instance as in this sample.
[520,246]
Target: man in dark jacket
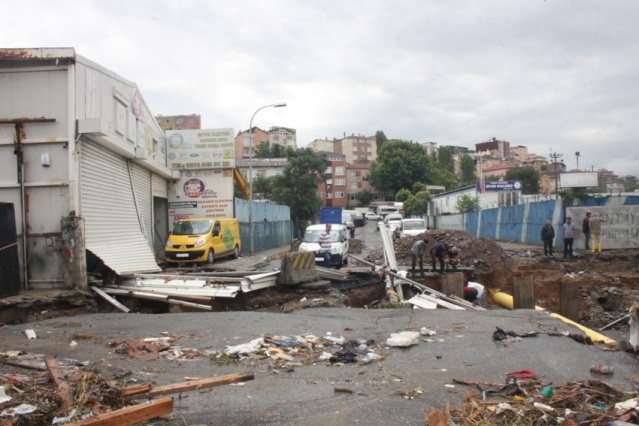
[547,236]
[585,228]
[438,251]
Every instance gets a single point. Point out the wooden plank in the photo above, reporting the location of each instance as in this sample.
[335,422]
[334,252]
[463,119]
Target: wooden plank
[569,300]
[32,365]
[195,385]
[523,292]
[453,284]
[111,300]
[130,415]
[63,392]
[135,389]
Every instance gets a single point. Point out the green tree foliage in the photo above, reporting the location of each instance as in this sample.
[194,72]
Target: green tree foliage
[264,150]
[444,178]
[418,187]
[445,159]
[262,187]
[528,176]
[277,151]
[467,203]
[380,138]
[399,165]
[468,176]
[296,187]
[417,204]
[365,196]
[630,183]
[402,195]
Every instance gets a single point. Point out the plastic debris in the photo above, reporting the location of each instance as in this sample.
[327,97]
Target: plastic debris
[245,348]
[403,339]
[30,334]
[19,410]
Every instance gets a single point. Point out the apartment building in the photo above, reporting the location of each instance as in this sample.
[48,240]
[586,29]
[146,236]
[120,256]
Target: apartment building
[179,122]
[243,142]
[284,136]
[333,193]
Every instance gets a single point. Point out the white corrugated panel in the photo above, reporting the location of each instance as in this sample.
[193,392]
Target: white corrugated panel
[112,228]
[160,186]
[143,198]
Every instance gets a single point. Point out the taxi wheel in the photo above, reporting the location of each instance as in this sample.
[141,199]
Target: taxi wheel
[236,253]
[210,258]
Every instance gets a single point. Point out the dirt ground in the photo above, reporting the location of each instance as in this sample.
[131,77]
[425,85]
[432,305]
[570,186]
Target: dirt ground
[608,281]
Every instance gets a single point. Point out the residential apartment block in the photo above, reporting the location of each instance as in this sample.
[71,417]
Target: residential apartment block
[179,122]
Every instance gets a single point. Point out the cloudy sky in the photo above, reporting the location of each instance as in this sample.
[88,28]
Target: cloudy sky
[556,76]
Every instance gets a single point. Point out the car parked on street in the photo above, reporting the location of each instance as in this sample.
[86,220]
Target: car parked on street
[371,216]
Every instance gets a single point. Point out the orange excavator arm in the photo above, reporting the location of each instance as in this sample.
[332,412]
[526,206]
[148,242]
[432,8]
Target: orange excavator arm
[241,183]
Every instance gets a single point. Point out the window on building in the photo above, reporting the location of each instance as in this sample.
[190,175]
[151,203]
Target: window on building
[339,194]
[340,182]
[179,120]
[339,171]
[328,170]
[352,197]
[353,185]
[329,196]
[191,119]
[377,197]
[353,173]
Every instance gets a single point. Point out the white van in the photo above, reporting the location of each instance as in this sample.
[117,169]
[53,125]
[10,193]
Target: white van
[412,227]
[339,243]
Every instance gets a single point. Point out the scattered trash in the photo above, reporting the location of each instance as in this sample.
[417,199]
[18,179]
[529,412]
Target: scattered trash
[523,374]
[500,334]
[370,357]
[544,407]
[3,396]
[30,334]
[602,369]
[73,343]
[245,348]
[62,420]
[19,410]
[403,339]
[427,332]
[342,389]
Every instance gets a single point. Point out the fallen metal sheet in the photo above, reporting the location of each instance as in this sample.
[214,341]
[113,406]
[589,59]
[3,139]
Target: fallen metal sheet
[227,291]
[424,297]
[259,281]
[331,274]
[422,302]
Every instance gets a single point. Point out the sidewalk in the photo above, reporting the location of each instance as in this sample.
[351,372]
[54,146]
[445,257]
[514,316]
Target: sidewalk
[258,260]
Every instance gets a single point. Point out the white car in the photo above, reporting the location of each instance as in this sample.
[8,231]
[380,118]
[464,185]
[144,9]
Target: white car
[412,227]
[339,243]
[393,220]
[371,216]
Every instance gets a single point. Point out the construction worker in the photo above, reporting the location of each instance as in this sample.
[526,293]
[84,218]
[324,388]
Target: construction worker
[438,251]
[452,258]
[417,252]
[595,231]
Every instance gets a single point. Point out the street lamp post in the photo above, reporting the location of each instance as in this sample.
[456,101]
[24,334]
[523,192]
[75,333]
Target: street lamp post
[277,105]
[555,156]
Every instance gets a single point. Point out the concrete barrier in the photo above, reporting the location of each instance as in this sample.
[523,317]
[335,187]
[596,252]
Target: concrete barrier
[298,267]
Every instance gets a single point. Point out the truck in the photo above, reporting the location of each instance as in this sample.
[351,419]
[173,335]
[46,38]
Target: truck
[335,215]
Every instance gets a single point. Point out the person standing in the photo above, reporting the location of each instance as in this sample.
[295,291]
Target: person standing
[417,251]
[326,244]
[438,251]
[568,234]
[585,228]
[547,236]
[595,229]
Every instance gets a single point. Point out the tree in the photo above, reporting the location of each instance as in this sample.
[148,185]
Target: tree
[418,187]
[277,151]
[262,187]
[468,176]
[296,187]
[264,150]
[630,183]
[417,204]
[402,195]
[528,176]
[365,197]
[380,138]
[445,159]
[444,178]
[400,164]
[468,203]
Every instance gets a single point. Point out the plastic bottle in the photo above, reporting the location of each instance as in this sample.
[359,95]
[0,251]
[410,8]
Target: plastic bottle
[602,369]
[544,394]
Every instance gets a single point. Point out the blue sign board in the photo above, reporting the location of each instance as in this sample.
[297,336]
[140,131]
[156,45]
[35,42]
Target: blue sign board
[512,185]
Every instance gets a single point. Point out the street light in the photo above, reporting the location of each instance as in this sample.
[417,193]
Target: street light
[555,156]
[277,105]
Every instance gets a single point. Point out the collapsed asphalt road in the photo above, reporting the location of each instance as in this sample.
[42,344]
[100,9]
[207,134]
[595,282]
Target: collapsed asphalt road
[301,390]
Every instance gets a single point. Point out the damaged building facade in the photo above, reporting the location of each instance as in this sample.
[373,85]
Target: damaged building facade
[84,167]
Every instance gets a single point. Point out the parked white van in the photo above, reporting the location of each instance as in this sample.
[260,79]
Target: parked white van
[339,243]
[412,227]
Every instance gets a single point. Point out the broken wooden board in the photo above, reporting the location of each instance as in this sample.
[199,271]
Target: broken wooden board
[63,392]
[130,415]
[194,385]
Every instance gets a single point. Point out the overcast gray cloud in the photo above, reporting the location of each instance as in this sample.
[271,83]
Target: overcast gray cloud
[551,75]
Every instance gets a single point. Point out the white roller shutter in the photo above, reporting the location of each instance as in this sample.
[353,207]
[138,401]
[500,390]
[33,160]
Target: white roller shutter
[160,186]
[112,228]
[143,198]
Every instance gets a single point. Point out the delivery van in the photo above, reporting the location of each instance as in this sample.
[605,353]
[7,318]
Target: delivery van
[412,227]
[203,240]
[339,243]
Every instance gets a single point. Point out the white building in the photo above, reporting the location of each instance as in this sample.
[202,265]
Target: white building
[78,141]
[492,195]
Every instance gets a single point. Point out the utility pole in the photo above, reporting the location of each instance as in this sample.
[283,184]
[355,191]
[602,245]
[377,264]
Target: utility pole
[577,154]
[555,156]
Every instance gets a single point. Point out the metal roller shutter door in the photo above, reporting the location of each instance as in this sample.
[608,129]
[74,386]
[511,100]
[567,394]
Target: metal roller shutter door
[160,186]
[112,228]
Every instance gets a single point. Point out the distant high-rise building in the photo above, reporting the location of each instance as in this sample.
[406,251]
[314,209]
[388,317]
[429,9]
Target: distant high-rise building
[284,136]
[179,122]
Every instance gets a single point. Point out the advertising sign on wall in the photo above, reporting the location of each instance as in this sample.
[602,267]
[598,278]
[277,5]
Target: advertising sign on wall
[512,185]
[196,149]
[202,193]
[620,226]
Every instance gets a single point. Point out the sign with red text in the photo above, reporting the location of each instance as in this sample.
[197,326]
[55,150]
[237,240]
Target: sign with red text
[201,194]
